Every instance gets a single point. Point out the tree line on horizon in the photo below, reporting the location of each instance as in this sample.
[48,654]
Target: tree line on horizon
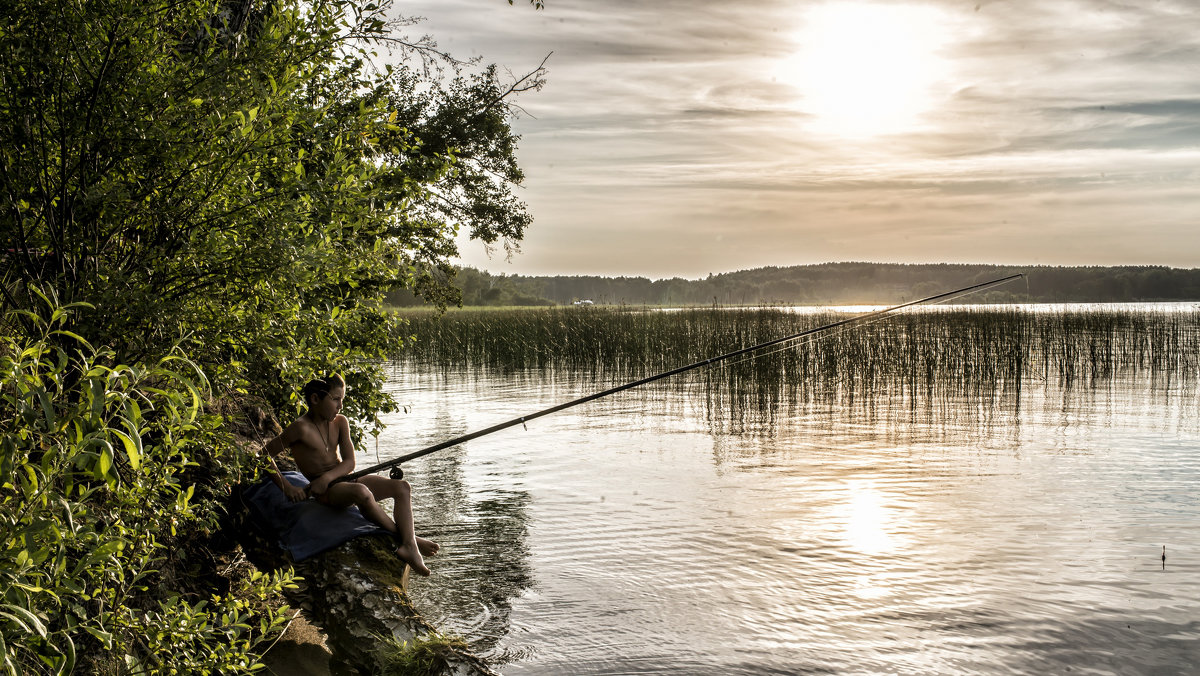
[831,284]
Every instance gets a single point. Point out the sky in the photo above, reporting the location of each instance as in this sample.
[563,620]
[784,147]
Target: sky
[689,137]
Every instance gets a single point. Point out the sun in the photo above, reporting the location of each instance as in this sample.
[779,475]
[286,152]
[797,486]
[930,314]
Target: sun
[866,69]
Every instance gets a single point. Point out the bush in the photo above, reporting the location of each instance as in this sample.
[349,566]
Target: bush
[94,500]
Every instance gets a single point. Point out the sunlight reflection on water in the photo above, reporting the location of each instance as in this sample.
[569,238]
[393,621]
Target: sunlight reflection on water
[644,533]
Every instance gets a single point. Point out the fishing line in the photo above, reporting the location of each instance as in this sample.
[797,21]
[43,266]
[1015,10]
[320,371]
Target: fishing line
[809,340]
[394,464]
[831,386]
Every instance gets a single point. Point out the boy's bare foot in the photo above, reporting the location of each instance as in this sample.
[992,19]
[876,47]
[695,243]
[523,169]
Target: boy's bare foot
[411,555]
[427,547]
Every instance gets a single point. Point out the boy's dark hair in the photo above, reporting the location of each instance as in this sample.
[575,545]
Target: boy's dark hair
[321,387]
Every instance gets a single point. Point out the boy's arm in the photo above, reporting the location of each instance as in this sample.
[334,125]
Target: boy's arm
[345,451]
[273,448]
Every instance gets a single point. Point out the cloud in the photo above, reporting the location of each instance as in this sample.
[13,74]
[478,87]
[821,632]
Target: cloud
[666,143]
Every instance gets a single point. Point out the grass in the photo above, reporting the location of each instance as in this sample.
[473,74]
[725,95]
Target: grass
[930,349]
[923,360]
[428,655]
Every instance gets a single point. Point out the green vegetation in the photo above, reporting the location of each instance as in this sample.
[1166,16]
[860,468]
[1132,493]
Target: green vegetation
[927,350]
[832,284]
[240,179]
[202,204]
[105,476]
[425,656]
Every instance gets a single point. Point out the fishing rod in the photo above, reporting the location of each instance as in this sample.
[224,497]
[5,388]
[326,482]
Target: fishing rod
[397,472]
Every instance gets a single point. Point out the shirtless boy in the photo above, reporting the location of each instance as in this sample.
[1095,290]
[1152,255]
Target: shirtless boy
[316,440]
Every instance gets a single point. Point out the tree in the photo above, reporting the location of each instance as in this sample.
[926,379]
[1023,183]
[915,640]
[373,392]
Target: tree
[217,194]
[243,178]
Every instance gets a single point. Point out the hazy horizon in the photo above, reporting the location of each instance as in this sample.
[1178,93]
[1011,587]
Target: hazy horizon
[688,138]
[654,277]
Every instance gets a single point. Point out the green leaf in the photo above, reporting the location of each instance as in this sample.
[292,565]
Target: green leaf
[105,638]
[196,405]
[33,589]
[105,463]
[10,667]
[68,665]
[47,408]
[96,397]
[31,475]
[102,552]
[76,336]
[24,618]
[131,449]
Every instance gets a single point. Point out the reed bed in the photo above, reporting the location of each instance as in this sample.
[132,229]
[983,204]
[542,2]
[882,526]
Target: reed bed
[929,349]
[934,362]
[957,368]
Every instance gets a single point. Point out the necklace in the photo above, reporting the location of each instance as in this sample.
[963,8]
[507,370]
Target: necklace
[323,429]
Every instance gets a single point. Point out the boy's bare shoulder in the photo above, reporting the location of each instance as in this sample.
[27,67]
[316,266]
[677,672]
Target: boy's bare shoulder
[297,426]
[342,425]
[297,431]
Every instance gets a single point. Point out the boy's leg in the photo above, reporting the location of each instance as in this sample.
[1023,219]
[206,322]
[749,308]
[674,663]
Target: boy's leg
[406,535]
[345,494]
[401,494]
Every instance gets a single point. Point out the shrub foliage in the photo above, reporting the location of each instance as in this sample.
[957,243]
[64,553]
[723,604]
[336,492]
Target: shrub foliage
[94,455]
[216,194]
[245,178]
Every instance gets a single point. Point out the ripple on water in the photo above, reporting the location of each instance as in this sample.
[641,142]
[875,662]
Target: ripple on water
[1021,541]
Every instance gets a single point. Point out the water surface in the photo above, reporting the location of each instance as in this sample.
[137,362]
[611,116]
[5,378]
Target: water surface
[688,528]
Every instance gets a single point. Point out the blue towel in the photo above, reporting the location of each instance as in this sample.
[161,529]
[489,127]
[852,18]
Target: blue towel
[306,528]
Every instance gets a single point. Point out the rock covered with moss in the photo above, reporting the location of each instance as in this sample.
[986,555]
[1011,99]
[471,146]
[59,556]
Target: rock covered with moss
[356,593]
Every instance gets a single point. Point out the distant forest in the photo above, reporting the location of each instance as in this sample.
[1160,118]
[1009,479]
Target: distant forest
[833,284]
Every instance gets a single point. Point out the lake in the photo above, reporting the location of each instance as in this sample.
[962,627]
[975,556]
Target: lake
[710,524]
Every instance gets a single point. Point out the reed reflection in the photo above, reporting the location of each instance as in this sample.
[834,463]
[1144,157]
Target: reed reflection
[925,352]
[965,370]
[961,480]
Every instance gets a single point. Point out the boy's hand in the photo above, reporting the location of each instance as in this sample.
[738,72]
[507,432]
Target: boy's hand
[318,485]
[294,494]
